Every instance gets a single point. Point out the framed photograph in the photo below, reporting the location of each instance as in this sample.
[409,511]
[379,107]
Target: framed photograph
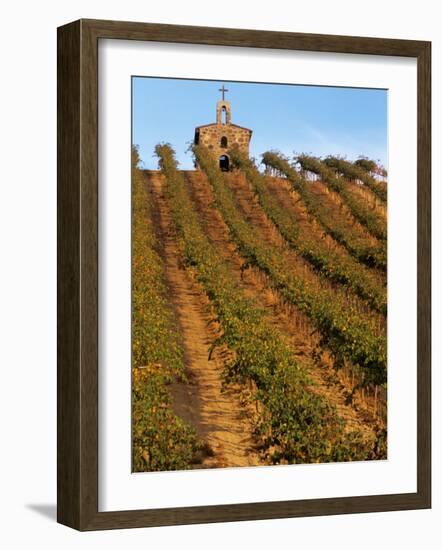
[243,274]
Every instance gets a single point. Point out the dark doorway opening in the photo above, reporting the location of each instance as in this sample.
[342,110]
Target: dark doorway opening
[224,163]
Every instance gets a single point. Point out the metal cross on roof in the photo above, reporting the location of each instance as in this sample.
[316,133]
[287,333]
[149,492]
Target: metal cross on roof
[223,90]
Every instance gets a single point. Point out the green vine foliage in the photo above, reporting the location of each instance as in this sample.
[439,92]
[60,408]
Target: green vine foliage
[375,224]
[372,256]
[294,424]
[366,164]
[160,439]
[340,268]
[354,171]
[347,333]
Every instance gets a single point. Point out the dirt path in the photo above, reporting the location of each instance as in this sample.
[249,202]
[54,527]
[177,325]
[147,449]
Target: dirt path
[287,319]
[218,415]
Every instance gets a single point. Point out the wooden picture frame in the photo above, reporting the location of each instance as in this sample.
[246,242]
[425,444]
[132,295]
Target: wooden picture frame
[77,461]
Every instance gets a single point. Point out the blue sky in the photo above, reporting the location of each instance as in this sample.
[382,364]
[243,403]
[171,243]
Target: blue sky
[308,119]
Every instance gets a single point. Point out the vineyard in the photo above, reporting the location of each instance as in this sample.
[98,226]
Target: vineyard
[259,311]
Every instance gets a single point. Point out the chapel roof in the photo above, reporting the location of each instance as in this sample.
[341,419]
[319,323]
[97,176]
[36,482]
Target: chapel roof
[230,124]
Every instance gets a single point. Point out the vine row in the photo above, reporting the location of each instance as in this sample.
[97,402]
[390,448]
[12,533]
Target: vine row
[362,212]
[161,440]
[346,333]
[295,424]
[355,171]
[358,247]
[340,268]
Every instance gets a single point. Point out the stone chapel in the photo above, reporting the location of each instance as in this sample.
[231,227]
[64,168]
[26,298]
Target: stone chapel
[222,134]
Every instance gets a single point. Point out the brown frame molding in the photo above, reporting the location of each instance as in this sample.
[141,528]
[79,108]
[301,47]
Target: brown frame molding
[77,225]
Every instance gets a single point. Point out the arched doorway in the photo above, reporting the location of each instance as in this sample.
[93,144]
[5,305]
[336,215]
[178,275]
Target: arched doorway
[224,163]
